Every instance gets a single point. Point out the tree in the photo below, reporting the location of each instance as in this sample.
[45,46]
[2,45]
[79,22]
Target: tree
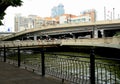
[4,4]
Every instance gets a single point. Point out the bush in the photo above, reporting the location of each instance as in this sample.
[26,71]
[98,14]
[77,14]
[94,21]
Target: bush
[117,34]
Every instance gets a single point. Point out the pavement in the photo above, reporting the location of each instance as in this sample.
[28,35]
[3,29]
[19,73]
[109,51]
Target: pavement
[10,74]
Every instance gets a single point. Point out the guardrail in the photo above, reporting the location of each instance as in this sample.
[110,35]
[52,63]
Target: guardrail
[72,68]
[27,43]
[113,42]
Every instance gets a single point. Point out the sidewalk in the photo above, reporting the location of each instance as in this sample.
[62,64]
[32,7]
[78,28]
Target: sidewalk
[10,74]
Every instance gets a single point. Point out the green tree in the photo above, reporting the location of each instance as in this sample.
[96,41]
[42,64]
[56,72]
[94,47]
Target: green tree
[4,4]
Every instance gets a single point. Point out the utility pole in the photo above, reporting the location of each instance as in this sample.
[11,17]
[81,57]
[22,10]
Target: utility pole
[104,13]
[113,13]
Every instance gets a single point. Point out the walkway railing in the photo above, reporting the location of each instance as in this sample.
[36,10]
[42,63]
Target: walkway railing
[72,68]
[113,42]
[28,43]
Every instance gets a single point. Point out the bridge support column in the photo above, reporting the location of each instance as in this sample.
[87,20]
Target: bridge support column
[35,37]
[95,34]
[103,33]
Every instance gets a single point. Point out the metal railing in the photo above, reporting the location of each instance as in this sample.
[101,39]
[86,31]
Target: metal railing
[77,69]
[72,68]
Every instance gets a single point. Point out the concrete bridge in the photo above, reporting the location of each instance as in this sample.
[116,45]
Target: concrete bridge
[92,28]
[112,42]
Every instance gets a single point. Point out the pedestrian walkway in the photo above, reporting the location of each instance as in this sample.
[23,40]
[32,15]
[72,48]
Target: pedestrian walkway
[10,74]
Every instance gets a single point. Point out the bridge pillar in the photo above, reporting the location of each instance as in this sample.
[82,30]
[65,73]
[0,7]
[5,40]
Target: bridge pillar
[93,32]
[103,33]
[96,34]
[35,37]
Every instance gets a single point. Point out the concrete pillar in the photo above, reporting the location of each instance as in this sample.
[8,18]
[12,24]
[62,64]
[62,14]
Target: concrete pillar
[35,37]
[93,32]
[102,32]
[96,34]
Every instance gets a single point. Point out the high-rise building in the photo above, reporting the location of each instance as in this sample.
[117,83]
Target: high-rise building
[23,23]
[17,20]
[57,10]
[31,21]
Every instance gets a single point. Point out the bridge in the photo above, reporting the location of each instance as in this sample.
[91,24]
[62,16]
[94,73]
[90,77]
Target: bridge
[111,42]
[95,42]
[106,29]
[67,67]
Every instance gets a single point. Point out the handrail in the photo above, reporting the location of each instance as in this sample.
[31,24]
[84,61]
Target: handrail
[27,43]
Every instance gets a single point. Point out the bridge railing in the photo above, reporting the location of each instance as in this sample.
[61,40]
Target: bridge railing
[113,42]
[27,43]
[102,42]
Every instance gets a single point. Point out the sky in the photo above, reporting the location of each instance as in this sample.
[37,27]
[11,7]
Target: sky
[43,8]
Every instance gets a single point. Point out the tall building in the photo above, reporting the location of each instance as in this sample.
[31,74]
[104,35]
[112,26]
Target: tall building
[22,23]
[57,10]
[32,21]
[17,20]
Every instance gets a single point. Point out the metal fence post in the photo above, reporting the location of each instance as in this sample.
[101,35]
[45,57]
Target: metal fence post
[43,62]
[19,58]
[4,53]
[92,67]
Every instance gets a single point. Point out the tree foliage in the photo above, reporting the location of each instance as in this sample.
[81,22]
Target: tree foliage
[117,33]
[4,4]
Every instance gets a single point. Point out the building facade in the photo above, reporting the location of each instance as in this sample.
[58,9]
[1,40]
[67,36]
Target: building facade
[22,23]
[34,21]
[85,16]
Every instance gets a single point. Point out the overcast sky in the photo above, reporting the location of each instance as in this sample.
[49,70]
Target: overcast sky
[43,8]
